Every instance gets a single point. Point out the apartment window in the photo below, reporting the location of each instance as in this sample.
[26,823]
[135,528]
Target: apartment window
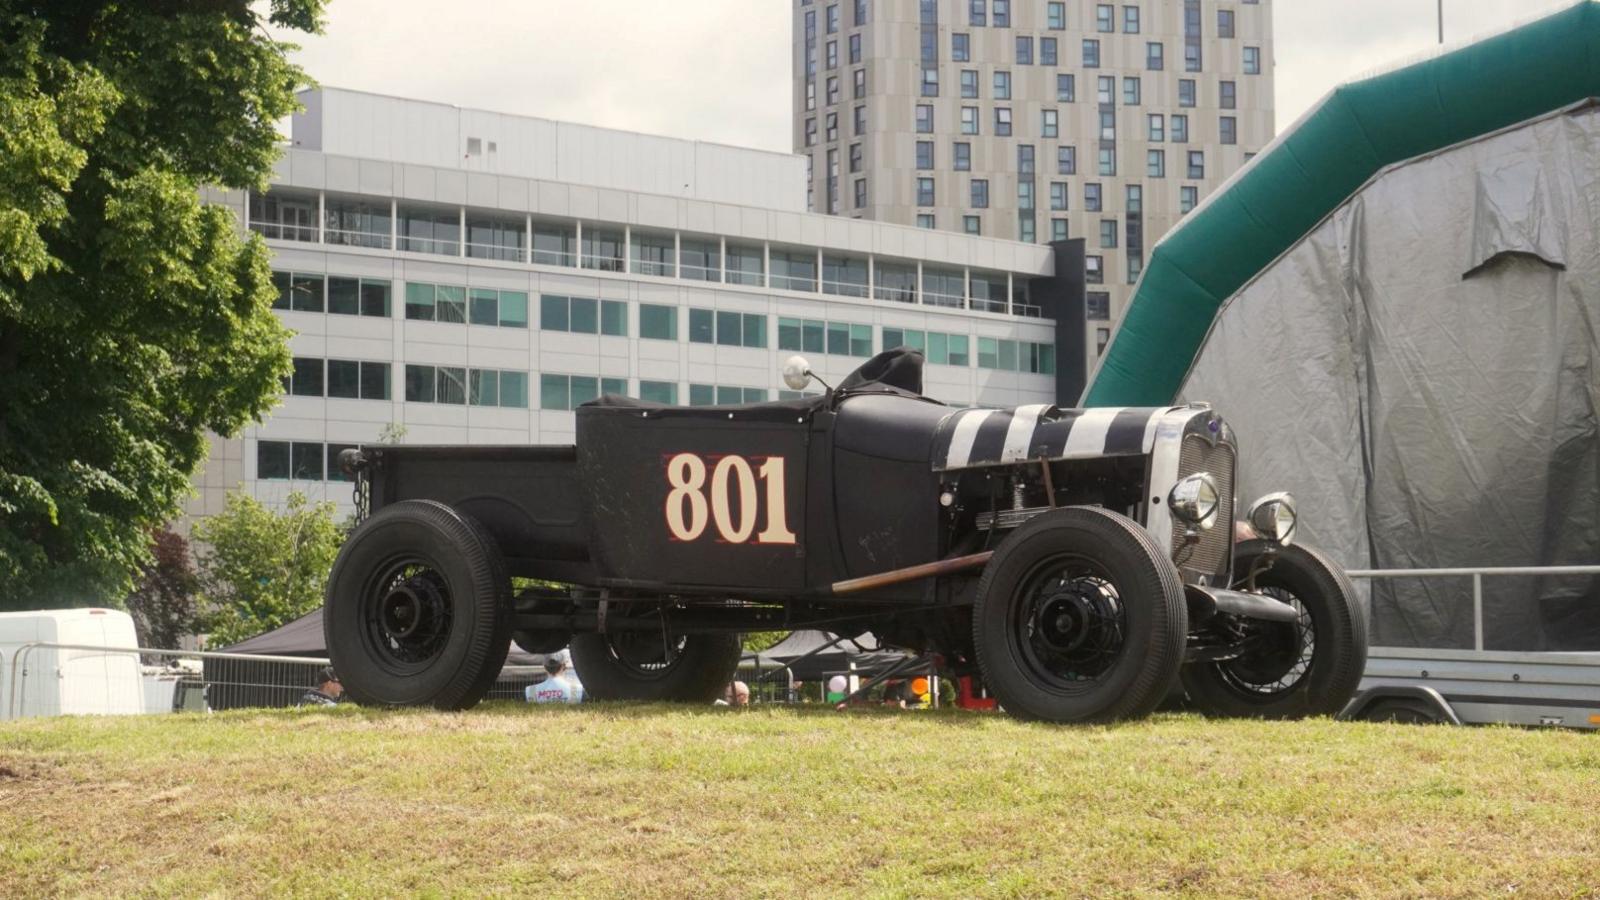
[1058,229]
[494,387]
[507,309]
[930,82]
[430,230]
[1002,13]
[1106,89]
[1047,51]
[354,223]
[1025,50]
[745,265]
[844,276]
[971,225]
[1155,56]
[602,247]
[296,460]
[1055,15]
[1135,201]
[860,12]
[1002,121]
[436,384]
[892,281]
[833,89]
[653,254]
[980,193]
[700,260]
[1102,336]
[969,84]
[944,287]
[562,392]
[1135,267]
[1097,305]
[436,302]
[1049,123]
[1191,57]
[1091,53]
[861,193]
[1130,19]
[1025,165]
[1252,60]
[855,49]
[830,132]
[962,154]
[811,94]
[1108,161]
[305,379]
[960,48]
[831,54]
[1188,198]
[1230,130]
[728,329]
[1091,197]
[1228,94]
[1105,18]
[811,132]
[1186,92]
[925,220]
[285,216]
[1197,164]
[583,315]
[1094,269]
[859,123]
[1131,91]
[1108,234]
[557,244]
[924,191]
[665,392]
[833,19]
[855,158]
[355,296]
[1066,89]
[303,293]
[1180,128]
[1157,127]
[1058,196]
[924,118]
[969,120]
[658,322]
[793,270]
[1002,85]
[1067,160]
[1224,23]
[1156,163]
[978,12]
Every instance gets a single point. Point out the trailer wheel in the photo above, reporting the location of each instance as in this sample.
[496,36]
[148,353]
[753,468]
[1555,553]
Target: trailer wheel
[1310,668]
[418,609]
[1080,617]
[639,665]
[1403,710]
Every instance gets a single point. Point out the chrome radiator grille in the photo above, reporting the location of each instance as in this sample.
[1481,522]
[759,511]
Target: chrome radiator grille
[1211,555]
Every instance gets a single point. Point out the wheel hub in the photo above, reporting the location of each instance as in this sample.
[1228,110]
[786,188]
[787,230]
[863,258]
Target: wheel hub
[1062,621]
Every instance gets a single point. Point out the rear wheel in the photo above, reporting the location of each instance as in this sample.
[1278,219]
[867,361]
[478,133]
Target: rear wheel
[1080,617]
[418,609]
[642,665]
[1288,671]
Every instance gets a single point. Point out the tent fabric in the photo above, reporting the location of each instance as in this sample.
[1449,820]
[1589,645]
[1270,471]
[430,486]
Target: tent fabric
[1282,194]
[1420,371]
[863,652]
[304,637]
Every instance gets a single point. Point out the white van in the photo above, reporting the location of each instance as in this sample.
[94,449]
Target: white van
[46,681]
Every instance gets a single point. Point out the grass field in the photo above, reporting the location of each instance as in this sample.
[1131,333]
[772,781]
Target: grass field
[593,801]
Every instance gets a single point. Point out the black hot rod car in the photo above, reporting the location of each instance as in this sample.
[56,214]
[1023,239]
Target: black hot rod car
[1082,562]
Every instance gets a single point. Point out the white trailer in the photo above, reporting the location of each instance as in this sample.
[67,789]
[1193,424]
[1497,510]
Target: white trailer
[1478,686]
[39,679]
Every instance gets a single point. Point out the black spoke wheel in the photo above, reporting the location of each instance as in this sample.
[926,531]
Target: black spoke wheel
[650,665]
[1080,617]
[1289,670]
[418,609]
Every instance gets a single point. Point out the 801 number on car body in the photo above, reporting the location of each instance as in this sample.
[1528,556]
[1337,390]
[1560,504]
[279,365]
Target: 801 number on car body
[695,501]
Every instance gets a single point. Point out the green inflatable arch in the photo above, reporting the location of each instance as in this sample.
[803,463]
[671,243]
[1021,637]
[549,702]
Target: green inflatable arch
[1354,132]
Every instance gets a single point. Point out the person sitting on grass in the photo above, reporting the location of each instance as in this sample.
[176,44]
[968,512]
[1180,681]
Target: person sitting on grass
[328,691]
[559,686]
[736,694]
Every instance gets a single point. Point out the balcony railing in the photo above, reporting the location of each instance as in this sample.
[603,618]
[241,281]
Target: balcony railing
[430,245]
[699,273]
[372,239]
[844,288]
[496,251]
[564,258]
[954,301]
[990,306]
[794,283]
[652,267]
[280,232]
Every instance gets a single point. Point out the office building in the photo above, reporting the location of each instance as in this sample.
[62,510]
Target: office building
[1032,120]
[458,276]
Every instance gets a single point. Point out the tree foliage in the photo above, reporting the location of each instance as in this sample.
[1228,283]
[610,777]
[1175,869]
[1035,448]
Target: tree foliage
[163,600]
[261,569]
[133,318]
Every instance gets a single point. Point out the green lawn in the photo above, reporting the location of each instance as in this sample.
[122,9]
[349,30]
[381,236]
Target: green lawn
[602,800]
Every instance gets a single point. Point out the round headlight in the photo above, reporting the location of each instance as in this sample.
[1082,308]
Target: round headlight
[1194,500]
[1273,518]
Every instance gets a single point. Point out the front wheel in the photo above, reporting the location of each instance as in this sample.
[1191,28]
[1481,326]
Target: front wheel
[1080,617]
[1289,671]
[642,665]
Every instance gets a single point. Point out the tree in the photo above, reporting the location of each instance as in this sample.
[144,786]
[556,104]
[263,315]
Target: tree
[262,569]
[163,601]
[133,317]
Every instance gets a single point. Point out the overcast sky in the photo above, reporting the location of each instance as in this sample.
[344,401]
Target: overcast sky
[718,70]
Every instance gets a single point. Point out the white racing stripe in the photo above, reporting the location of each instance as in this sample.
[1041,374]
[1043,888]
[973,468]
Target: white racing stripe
[1088,435]
[1020,435]
[962,436]
[1150,429]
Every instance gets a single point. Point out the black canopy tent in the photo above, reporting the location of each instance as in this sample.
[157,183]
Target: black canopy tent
[816,655]
[235,683]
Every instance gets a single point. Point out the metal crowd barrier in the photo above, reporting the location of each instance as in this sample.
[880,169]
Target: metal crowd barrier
[1477,574]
